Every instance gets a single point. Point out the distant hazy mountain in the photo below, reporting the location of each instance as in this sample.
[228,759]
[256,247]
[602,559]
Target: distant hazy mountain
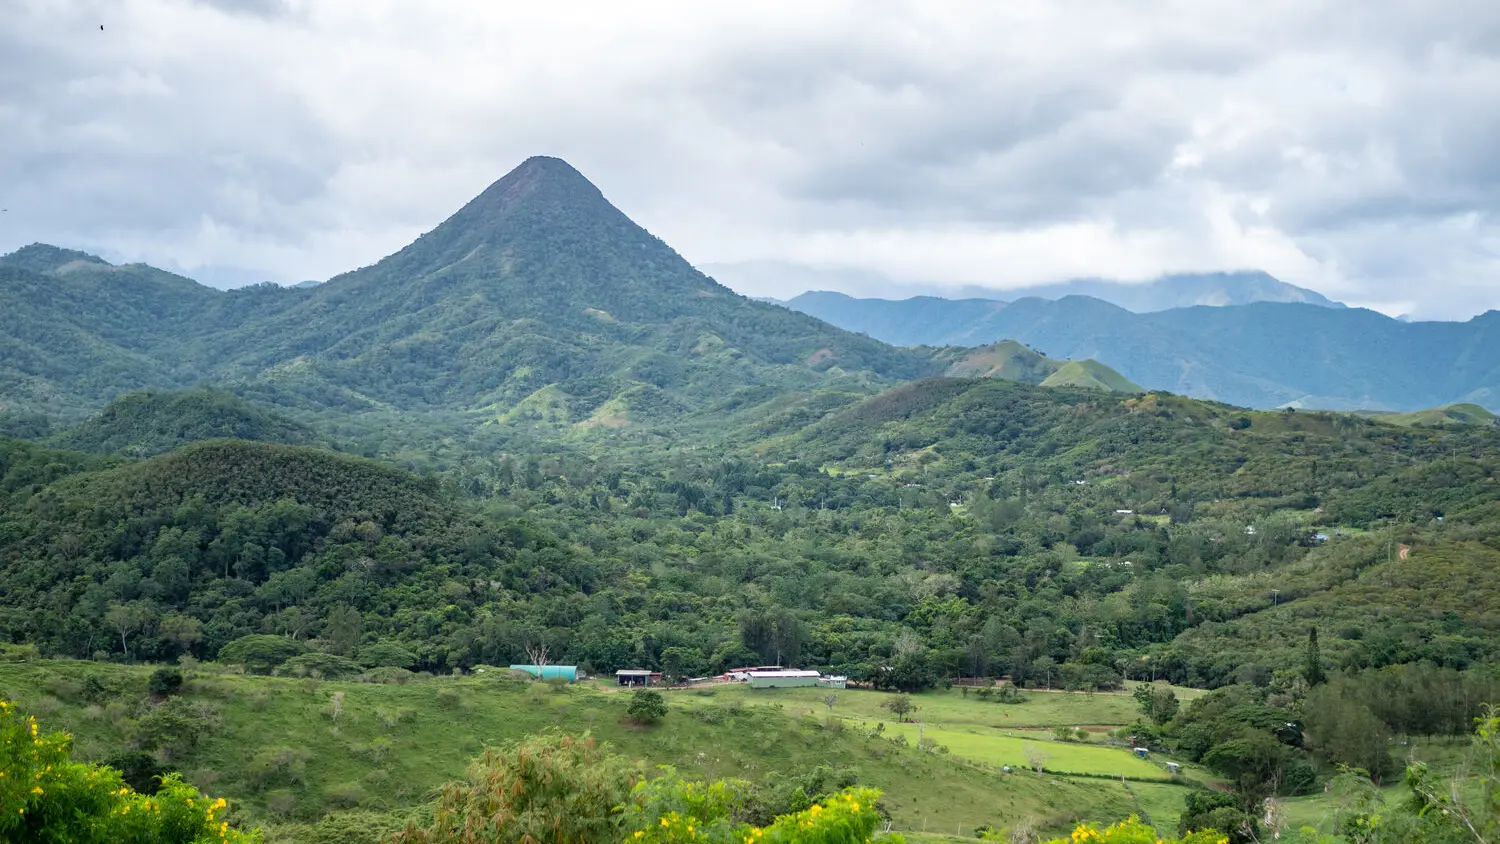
[785,279]
[1261,355]
[1177,291]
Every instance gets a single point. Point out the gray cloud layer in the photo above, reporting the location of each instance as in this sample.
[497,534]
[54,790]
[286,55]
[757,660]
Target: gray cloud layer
[1347,146]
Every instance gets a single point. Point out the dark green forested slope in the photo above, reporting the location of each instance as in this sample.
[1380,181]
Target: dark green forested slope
[154,422]
[964,526]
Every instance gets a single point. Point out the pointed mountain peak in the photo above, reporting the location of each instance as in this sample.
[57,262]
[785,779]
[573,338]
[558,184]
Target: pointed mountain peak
[46,258]
[543,221]
[540,179]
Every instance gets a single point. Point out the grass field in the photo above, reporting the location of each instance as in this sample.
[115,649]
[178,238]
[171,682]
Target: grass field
[1061,757]
[951,708]
[283,760]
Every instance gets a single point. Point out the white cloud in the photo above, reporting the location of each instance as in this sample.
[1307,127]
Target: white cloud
[1345,146]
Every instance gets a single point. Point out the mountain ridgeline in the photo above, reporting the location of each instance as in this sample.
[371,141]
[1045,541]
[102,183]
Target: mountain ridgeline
[1264,354]
[538,288]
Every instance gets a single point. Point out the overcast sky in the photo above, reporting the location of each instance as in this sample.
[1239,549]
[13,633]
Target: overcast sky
[1350,146]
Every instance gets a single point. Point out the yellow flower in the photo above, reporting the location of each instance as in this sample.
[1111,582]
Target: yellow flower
[37,790]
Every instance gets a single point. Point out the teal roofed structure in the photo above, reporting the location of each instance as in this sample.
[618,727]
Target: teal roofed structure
[546,672]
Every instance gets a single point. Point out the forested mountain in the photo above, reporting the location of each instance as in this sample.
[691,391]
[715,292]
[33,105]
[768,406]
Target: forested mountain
[538,299]
[1258,355]
[977,525]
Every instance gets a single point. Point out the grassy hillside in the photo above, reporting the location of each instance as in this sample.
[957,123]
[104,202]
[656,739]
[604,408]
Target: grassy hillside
[1090,374]
[1452,414]
[273,746]
[1007,360]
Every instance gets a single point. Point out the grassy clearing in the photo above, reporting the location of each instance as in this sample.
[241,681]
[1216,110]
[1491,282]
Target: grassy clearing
[282,758]
[1061,757]
[1159,804]
[952,708]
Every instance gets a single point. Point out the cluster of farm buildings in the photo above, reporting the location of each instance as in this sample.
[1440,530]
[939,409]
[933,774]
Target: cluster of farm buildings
[756,677]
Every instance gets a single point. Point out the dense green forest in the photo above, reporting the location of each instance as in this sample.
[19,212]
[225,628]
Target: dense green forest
[950,527]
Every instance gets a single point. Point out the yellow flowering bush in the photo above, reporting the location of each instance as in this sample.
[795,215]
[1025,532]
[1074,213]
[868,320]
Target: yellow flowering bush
[1132,831]
[703,818]
[47,797]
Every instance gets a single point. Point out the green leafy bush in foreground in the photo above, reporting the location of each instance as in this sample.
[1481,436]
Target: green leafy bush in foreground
[564,789]
[47,797]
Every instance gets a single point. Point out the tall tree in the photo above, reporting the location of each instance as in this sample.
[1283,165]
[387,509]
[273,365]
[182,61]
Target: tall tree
[1313,665]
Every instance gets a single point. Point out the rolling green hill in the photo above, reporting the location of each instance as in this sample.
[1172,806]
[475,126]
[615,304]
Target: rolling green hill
[1452,414]
[1012,361]
[1090,374]
[148,423]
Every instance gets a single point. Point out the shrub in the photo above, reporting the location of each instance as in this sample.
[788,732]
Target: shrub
[165,681]
[281,803]
[1132,831]
[326,666]
[546,788]
[260,652]
[277,765]
[448,698]
[386,655]
[647,706]
[18,653]
[388,676]
[351,828]
[176,726]
[139,769]
[96,689]
[346,795]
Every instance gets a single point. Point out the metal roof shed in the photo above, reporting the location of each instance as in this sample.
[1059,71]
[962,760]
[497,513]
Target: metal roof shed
[781,679]
[546,672]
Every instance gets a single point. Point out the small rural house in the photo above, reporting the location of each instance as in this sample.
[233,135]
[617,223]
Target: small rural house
[833,682]
[637,677]
[547,672]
